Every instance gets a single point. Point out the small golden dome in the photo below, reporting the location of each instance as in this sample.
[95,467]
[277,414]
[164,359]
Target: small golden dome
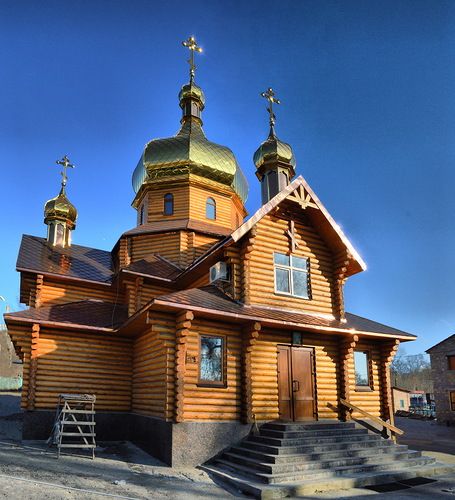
[60,208]
[192,91]
[274,150]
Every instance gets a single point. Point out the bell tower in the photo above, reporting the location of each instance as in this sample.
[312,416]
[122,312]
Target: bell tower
[274,159]
[59,213]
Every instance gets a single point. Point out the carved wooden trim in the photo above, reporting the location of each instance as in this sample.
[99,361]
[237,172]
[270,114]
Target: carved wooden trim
[250,336]
[33,367]
[346,347]
[183,326]
[388,352]
[303,198]
[340,279]
[246,251]
[38,290]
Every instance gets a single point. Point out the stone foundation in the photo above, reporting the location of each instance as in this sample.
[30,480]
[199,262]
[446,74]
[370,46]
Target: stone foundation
[183,444]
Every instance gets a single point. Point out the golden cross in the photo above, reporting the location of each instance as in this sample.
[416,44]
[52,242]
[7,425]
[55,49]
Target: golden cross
[292,235]
[269,94]
[65,163]
[193,47]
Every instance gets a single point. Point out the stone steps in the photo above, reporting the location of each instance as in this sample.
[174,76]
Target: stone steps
[307,441]
[303,446]
[311,456]
[272,473]
[283,455]
[306,488]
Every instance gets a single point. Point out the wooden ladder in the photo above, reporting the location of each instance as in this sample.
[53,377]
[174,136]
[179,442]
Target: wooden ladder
[74,425]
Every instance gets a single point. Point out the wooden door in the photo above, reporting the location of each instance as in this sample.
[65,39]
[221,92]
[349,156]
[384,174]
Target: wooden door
[295,383]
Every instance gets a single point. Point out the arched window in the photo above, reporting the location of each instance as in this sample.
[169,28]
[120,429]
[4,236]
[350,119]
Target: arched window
[169,204]
[210,208]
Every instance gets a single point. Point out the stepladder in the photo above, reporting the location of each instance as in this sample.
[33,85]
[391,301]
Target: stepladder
[74,424]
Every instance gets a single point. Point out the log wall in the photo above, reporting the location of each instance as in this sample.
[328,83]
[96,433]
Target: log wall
[62,362]
[153,368]
[369,401]
[21,339]
[54,292]
[270,237]
[166,244]
[212,403]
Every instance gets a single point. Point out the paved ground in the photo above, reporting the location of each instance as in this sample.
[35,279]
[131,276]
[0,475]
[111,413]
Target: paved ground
[30,470]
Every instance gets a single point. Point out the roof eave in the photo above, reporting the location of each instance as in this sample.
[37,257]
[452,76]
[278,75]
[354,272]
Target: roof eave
[272,322]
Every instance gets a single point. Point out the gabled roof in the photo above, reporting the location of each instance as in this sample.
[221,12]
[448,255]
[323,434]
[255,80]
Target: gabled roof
[326,224]
[78,262]
[85,314]
[212,301]
[440,343]
[311,201]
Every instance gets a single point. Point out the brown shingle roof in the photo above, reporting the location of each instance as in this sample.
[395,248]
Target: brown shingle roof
[154,266]
[178,224]
[85,313]
[75,261]
[212,300]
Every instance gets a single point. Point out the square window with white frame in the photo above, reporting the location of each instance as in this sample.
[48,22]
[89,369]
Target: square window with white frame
[292,275]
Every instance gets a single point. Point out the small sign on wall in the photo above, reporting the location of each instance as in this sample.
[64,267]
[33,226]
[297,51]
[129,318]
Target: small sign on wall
[190,360]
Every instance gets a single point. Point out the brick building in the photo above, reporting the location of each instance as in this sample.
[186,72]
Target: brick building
[442,357]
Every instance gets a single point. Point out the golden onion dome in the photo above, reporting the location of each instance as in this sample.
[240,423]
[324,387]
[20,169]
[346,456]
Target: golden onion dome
[189,151]
[274,150]
[60,208]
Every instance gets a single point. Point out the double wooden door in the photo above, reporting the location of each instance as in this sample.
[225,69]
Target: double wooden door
[296,383]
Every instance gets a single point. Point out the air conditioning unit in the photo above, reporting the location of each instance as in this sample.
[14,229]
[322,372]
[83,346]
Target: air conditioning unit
[220,271]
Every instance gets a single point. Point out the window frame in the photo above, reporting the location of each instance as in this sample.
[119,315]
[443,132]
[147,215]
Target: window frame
[449,359]
[168,198]
[452,401]
[213,383]
[291,268]
[369,386]
[210,202]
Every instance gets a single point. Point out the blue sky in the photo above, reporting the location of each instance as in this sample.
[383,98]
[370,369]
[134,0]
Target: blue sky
[368,104]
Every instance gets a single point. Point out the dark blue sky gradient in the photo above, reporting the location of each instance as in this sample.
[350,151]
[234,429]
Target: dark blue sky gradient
[368,104]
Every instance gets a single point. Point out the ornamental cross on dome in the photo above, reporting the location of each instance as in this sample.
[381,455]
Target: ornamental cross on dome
[269,94]
[292,236]
[65,163]
[193,47]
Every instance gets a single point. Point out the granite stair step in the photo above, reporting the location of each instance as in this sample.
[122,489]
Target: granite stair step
[310,440]
[291,426]
[292,476]
[323,453]
[289,434]
[316,465]
[310,487]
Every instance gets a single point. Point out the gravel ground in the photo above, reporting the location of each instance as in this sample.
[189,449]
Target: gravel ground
[30,470]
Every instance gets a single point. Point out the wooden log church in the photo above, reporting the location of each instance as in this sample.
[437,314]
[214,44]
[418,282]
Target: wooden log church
[200,322]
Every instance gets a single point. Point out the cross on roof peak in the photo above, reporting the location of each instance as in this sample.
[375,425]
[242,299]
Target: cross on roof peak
[269,94]
[65,163]
[193,47]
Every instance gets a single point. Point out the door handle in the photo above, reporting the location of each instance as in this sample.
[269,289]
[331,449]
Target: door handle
[295,385]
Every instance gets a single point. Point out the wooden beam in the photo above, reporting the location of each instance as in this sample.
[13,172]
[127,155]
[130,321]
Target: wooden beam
[374,419]
[250,336]
[346,347]
[183,326]
[33,367]
[388,352]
